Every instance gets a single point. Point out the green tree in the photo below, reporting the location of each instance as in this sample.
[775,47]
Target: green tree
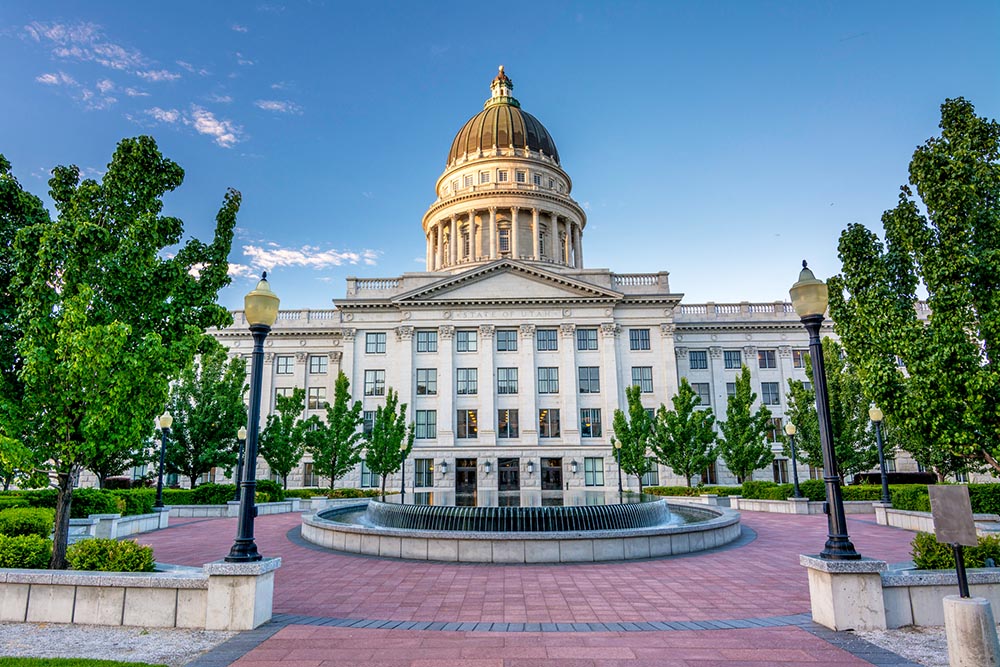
[335,444]
[282,442]
[945,240]
[684,438]
[390,440]
[208,409]
[633,431]
[106,317]
[801,411]
[742,446]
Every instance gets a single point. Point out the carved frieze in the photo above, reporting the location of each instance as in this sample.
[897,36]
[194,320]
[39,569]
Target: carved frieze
[486,331]
[527,331]
[681,352]
[784,351]
[715,352]
[404,333]
[446,331]
[567,330]
[750,352]
[610,329]
[667,330]
[301,357]
[349,333]
[335,357]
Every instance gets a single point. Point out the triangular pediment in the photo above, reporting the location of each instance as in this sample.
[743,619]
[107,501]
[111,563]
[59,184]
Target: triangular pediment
[507,281]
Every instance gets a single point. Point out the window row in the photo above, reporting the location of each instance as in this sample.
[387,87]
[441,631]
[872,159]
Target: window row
[508,423]
[593,472]
[467,380]
[733,359]
[284,364]
[486,177]
[466,340]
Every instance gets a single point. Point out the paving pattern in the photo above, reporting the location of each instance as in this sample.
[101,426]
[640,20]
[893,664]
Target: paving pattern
[746,604]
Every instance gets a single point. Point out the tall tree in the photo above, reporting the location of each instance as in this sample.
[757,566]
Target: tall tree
[390,440]
[684,438]
[633,431]
[945,239]
[801,411]
[743,447]
[335,444]
[105,315]
[282,442]
[208,410]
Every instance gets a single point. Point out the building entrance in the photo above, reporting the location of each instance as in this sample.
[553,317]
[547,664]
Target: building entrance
[551,474]
[510,474]
[465,476]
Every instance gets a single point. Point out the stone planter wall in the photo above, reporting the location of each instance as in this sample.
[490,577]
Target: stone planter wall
[114,526]
[886,515]
[232,509]
[797,506]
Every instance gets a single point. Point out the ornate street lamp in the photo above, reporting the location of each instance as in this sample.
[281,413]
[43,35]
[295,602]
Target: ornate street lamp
[810,298]
[261,310]
[618,459]
[164,421]
[241,438]
[876,416]
[790,431]
[402,470]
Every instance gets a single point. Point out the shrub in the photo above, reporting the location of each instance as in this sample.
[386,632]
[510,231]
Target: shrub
[12,501]
[213,494]
[911,497]
[985,498]
[273,490]
[929,554]
[39,497]
[103,555]
[305,493]
[27,551]
[115,483]
[95,501]
[757,489]
[722,490]
[27,521]
[346,493]
[177,496]
[673,491]
[864,492]
[137,501]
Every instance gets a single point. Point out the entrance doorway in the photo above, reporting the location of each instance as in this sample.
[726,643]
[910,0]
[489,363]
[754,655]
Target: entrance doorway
[510,474]
[551,474]
[465,476]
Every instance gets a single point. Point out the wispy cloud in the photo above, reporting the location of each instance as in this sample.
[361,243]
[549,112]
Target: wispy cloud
[80,93]
[61,78]
[134,92]
[200,71]
[85,42]
[105,85]
[158,75]
[279,106]
[220,99]
[240,28]
[164,115]
[242,60]
[223,132]
[307,256]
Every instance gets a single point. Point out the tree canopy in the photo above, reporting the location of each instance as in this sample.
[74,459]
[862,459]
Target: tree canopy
[335,444]
[946,240]
[742,446]
[105,314]
[633,432]
[684,438]
[390,440]
[282,442]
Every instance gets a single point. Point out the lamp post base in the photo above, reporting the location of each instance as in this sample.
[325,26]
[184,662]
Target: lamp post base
[243,551]
[839,548]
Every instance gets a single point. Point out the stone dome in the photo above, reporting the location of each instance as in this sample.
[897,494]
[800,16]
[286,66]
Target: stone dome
[502,124]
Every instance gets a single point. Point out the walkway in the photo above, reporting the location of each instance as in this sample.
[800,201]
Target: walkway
[741,605]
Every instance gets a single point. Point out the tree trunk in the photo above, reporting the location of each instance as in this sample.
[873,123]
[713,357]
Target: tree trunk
[989,459]
[284,482]
[192,478]
[689,480]
[60,536]
[383,488]
[639,477]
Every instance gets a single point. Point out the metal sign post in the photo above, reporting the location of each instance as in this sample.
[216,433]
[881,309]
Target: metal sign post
[954,525]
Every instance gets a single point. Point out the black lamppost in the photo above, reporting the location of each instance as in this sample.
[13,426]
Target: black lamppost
[164,421]
[241,439]
[402,472]
[618,459]
[790,431]
[810,299]
[261,310]
[876,416]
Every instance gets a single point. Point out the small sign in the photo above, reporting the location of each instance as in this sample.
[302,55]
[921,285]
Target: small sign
[952,511]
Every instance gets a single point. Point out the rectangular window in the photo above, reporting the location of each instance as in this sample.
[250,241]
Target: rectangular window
[702,389]
[502,176]
[638,339]
[368,421]
[732,359]
[284,364]
[593,471]
[590,380]
[427,382]
[375,343]
[423,472]
[590,422]
[586,339]
[548,423]
[374,383]
[520,177]
[652,476]
[799,358]
[779,467]
[454,185]
[468,426]
[890,464]
[309,478]
[506,340]
[503,239]
[698,359]
[769,393]
[552,183]
[426,424]
[548,380]
[466,381]
[318,363]
[466,341]
[507,426]
[468,180]
[766,359]
[536,179]
[317,398]
[281,391]
[427,341]
[369,480]
[506,380]
[730,389]
[546,340]
[484,177]
[710,475]
[773,429]
[642,376]
[815,473]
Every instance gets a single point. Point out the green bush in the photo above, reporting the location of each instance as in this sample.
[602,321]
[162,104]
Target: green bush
[862,492]
[27,551]
[722,490]
[813,489]
[137,501]
[305,493]
[177,496]
[273,490]
[911,497]
[95,501]
[27,521]
[347,493]
[103,555]
[673,491]
[12,501]
[985,498]
[929,554]
[758,490]
[213,494]
[38,497]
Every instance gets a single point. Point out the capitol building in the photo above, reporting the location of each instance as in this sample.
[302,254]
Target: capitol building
[510,353]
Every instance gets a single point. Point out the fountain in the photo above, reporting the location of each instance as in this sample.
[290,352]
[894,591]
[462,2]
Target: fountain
[528,526]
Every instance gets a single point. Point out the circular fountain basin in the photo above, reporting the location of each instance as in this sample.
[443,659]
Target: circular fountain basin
[521,527]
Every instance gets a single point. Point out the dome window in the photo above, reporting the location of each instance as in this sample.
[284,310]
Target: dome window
[537,179]
[552,183]
[521,176]
[484,177]
[503,238]
[468,180]
[502,176]
[454,185]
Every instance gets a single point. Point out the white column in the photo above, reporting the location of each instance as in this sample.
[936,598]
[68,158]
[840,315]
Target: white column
[716,366]
[577,246]
[555,252]
[611,390]
[446,386]
[299,377]
[515,247]
[493,232]
[438,232]
[570,255]
[453,242]
[475,237]
[534,234]
[568,403]
[527,386]
[399,367]
[354,375]
[487,386]
[427,255]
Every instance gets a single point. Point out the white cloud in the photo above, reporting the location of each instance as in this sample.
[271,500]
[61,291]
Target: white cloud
[158,75]
[220,99]
[191,68]
[280,85]
[104,85]
[240,28]
[225,133]
[242,270]
[133,92]
[164,115]
[84,42]
[307,256]
[241,60]
[280,106]
[56,79]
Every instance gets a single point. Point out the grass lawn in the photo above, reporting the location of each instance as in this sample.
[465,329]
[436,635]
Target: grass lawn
[68,662]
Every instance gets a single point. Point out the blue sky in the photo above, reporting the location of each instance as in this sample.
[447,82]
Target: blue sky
[720,141]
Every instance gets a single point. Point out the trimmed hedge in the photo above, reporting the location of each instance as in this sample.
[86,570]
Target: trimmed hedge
[273,491]
[912,498]
[12,501]
[27,521]
[27,551]
[105,555]
[305,493]
[692,490]
[929,554]
[213,494]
